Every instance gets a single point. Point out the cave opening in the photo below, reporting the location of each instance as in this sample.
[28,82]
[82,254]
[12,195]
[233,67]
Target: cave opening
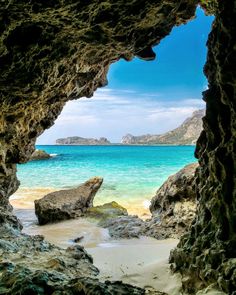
[159,107]
[155,108]
[206,254]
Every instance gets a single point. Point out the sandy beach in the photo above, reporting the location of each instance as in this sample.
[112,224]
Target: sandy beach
[141,262]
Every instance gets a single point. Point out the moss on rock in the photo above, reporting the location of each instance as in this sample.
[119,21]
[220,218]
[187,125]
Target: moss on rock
[106,211]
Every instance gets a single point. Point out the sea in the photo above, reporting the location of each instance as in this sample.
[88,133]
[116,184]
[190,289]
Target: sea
[131,174]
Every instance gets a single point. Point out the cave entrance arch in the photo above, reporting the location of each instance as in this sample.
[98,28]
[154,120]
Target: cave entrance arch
[41,53]
[39,179]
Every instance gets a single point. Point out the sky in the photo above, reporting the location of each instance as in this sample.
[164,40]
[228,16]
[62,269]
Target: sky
[143,97]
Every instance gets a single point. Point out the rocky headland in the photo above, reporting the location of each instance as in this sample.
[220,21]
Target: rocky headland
[76,140]
[186,134]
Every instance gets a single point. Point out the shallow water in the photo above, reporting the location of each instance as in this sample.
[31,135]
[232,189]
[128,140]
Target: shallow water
[131,174]
[63,233]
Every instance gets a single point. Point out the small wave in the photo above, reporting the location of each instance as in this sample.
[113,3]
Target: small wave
[53,155]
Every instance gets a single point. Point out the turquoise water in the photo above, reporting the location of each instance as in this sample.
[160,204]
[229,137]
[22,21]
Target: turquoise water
[131,173]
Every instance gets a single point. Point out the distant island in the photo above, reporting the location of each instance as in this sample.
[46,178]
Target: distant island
[76,140]
[186,134]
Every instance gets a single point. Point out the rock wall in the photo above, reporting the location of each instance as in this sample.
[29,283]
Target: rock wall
[54,51]
[208,253]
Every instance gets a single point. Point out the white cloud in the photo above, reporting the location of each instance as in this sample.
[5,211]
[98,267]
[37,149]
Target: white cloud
[83,119]
[112,113]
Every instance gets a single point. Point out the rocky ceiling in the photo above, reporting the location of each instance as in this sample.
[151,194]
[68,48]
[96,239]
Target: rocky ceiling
[57,50]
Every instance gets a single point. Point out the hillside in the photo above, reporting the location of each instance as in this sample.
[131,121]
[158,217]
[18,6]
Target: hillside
[186,134]
[76,140]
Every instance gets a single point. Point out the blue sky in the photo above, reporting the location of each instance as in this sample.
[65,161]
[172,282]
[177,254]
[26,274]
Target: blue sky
[143,97]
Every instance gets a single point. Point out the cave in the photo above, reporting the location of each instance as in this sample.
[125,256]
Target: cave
[55,51]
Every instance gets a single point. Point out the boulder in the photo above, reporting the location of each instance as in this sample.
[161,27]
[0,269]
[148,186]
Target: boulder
[106,211]
[177,188]
[67,204]
[173,207]
[125,227]
[39,155]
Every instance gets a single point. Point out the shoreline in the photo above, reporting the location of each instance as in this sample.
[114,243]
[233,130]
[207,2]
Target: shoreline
[117,144]
[24,198]
[140,261]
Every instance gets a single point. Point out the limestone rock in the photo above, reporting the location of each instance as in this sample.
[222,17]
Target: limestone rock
[125,227]
[30,265]
[67,204]
[39,155]
[115,218]
[206,253]
[29,281]
[174,205]
[177,188]
[186,134]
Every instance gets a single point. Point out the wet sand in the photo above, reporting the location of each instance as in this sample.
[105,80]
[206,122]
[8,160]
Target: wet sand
[65,232]
[141,262]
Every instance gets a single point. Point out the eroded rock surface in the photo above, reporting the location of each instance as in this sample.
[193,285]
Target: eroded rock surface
[30,265]
[67,204]
[174,205]
[125,227]
[106,211]
[207,253]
